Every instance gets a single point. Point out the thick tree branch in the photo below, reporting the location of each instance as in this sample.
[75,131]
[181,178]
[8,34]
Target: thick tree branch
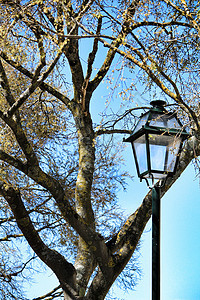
[7,90]
[17,163]
[91,58]
[5,85]
[72,52]
[21,139]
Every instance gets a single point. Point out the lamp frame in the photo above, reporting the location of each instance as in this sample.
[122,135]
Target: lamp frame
[146,130]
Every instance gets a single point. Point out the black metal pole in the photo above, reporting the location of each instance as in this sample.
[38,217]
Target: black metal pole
[156,243]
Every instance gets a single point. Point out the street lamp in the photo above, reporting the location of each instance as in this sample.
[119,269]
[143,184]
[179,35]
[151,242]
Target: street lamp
[157,142]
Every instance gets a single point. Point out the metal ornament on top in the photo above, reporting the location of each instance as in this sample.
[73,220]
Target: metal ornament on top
[157,141]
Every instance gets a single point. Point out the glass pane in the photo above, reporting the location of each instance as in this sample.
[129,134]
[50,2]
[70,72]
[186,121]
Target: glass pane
[140,150]
[141,122]
[157,157]
[165,120]
[172,153]
[173,123]
[163,152]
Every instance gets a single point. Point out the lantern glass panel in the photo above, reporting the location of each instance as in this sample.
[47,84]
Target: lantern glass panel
[139,146]
[172,153]
[165,120]
[163,152]
[141,122]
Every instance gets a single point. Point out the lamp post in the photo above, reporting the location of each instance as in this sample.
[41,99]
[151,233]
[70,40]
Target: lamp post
[157,142]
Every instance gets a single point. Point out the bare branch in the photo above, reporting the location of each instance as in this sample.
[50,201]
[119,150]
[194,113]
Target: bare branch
[112,131]
[51,295]
[184,12]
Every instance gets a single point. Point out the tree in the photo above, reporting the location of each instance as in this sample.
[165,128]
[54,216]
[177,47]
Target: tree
[60,171]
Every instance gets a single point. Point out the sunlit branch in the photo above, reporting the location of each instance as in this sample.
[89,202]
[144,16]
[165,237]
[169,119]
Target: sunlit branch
[146,23]
[47,13]
[85,6]
[10,236]
[4,220]
[184,12]
[24,96]
[178,97]
[42,62]
[43,86]
[112,131]
[159,24]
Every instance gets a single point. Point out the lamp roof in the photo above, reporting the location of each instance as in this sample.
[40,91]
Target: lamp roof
[158,120]
[158,103]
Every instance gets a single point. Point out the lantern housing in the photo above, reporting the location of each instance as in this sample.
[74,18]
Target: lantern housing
[157,141]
